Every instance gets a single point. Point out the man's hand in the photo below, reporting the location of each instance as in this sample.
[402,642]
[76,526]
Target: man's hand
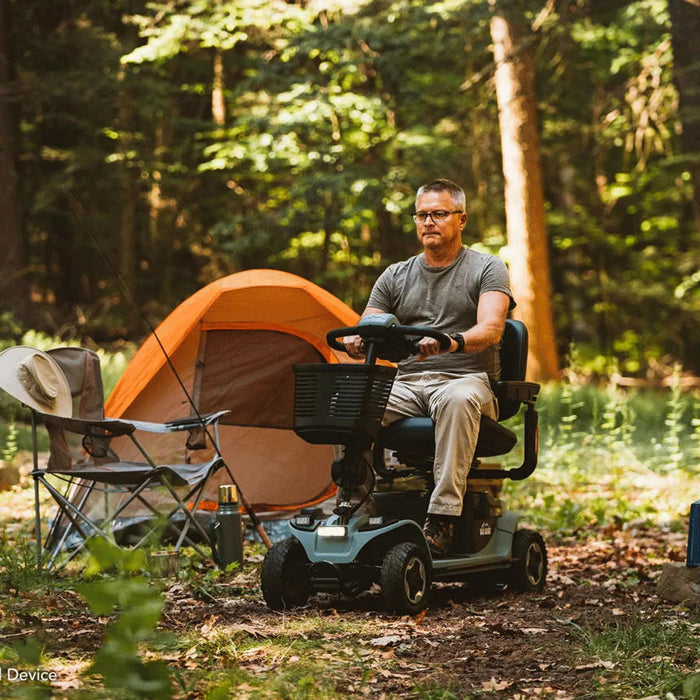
[354,346]
[430,346]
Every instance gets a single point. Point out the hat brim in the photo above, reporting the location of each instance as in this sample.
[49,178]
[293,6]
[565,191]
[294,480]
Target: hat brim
[10,360]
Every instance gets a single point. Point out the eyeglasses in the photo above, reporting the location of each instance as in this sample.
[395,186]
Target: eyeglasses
[438,216]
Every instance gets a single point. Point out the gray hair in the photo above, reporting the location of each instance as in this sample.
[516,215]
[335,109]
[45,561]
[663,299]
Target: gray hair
[459,199]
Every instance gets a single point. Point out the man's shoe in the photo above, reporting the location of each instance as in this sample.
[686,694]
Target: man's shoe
[439,531]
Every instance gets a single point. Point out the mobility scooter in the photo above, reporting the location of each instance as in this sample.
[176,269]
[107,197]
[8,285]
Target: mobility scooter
[353,548]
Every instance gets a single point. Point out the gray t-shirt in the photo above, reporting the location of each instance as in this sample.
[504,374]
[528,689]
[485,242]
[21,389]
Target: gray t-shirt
[445,299]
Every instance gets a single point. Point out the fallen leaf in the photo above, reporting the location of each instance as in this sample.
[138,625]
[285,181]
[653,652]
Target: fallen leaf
[419,617]
[493,684]
[597,664]
[385,641]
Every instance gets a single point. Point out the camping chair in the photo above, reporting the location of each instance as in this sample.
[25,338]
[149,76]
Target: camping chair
[97,468]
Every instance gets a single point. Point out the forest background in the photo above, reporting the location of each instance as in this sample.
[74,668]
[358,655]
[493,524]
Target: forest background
[202,137]
[191,139]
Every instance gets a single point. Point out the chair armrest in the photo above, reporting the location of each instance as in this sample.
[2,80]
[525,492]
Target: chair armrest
[179,424]
[524,392]
[107,427]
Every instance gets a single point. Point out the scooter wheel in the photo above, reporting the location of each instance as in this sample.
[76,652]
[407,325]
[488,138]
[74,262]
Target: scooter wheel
[528,570]
[284,576]
[405,578]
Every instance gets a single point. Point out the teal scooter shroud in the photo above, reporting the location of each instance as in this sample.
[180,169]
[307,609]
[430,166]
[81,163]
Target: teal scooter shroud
[693,556]
[345,549]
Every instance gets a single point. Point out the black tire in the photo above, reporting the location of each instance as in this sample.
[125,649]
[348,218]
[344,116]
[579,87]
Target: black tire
[528,569]
[284,577]
[406,578]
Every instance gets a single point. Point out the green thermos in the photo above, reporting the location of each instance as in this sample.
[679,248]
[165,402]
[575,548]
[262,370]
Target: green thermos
[226,531]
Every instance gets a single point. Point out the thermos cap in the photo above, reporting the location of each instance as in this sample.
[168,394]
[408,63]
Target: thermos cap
[228,494]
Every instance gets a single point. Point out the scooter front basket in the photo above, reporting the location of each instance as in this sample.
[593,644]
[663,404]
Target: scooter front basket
[340,404]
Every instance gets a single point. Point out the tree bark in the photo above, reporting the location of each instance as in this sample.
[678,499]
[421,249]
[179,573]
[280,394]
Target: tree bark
[12,264]
[685,30]
[218,103]
[524,198]
[127,210]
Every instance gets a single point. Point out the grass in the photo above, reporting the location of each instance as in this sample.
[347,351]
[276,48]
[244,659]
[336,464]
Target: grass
[608,459]
[640,656]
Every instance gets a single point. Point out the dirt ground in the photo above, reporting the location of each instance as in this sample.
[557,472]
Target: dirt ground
[466,644]
[500,644]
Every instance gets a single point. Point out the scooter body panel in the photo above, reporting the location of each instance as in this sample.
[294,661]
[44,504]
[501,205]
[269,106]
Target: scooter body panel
[344,549]
[496,554]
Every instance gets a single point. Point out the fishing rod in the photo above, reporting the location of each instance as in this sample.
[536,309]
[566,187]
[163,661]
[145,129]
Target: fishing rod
[79,212]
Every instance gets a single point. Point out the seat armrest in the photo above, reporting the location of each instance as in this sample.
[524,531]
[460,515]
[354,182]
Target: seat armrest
[107,427]
[179,424]
[525,392]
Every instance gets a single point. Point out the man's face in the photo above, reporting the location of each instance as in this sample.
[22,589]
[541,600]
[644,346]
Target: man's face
[440,235]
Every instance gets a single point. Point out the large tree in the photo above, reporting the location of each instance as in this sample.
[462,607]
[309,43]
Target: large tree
[685,30]
[524,198]
[12,280]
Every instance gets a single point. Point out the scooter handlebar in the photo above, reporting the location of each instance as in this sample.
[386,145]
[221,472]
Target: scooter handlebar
[382,332]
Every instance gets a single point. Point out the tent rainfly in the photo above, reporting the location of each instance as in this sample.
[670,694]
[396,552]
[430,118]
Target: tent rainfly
[233,344]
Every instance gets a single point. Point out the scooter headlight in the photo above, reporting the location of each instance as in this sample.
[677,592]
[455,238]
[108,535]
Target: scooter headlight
[336,531]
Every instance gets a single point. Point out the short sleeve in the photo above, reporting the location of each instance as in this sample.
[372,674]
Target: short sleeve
[382,295]
[495,278]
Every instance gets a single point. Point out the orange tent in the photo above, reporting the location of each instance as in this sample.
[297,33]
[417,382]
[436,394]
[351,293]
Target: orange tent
[233,344]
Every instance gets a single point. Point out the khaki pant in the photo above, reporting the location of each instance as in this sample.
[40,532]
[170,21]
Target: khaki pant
[455,402]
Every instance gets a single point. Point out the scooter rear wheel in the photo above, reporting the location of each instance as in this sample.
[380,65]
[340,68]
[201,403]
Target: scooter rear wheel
[406,578]
[529,568]
[284,577]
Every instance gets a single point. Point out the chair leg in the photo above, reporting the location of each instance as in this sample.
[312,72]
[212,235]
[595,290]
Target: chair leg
[168,518]
[181,506]
[37,521]
[56,548]
[72,511]
[37,507]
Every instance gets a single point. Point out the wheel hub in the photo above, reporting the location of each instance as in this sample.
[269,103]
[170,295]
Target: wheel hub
[534,564]
[415,580]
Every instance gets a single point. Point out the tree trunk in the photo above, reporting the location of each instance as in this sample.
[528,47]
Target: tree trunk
[524,198]
[127,210]
[685,30]
[12,269]
[218,103]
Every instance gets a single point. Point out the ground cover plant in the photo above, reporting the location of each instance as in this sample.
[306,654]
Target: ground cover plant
[611,495]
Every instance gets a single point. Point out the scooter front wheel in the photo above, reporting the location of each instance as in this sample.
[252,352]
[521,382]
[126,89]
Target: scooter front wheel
[406,578]
[284,577]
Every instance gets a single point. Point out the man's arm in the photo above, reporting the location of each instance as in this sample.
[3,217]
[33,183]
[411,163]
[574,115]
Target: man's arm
[490,321]
[353,343]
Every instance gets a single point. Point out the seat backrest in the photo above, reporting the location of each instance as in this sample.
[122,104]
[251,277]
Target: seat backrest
[82,369]
[514,343]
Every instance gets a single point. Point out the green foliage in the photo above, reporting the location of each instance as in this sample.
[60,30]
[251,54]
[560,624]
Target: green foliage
[19,569]
[600,448]
[623,653]
[334,114]
[691,687]
[10,446]
[120,660]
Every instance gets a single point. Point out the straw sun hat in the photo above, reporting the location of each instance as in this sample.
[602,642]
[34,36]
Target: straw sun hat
[34,378]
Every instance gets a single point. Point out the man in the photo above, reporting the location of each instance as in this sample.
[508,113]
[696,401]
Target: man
[466,295]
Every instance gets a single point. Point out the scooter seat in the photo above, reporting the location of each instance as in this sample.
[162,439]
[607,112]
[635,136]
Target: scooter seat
[417,436]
